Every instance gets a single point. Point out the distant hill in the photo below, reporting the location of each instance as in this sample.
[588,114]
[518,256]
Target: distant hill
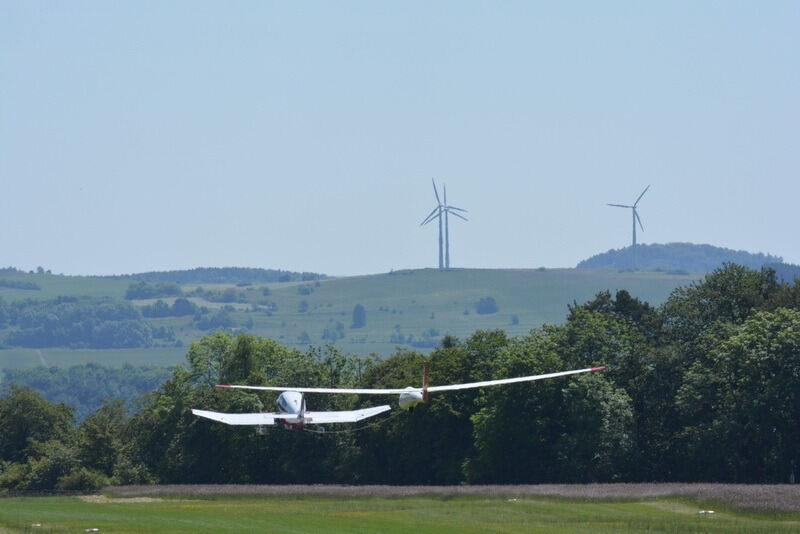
[224,275]
[680,257]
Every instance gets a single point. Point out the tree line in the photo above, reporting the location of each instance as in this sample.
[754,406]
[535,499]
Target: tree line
[85,388]
[705,387]
[75,323]
[102,323]
[223,275]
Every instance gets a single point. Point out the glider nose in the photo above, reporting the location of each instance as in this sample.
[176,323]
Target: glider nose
[290,402]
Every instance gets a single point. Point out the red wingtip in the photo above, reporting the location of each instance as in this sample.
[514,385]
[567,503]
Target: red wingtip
[598,368]
[222,386]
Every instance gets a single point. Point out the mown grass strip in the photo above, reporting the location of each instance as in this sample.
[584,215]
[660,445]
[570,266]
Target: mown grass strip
[450,514]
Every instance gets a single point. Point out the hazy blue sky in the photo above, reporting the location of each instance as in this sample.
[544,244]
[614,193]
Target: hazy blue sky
[303,135]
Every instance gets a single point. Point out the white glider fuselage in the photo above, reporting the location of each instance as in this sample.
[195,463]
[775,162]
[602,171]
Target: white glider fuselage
[410,398]
[293,404]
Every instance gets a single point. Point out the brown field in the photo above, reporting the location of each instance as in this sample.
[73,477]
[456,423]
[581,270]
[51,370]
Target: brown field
[780,497]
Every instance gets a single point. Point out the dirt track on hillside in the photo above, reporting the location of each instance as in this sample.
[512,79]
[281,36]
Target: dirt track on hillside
[769,497]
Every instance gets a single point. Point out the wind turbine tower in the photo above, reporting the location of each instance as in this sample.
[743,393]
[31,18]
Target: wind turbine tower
[442,211]
[635,216]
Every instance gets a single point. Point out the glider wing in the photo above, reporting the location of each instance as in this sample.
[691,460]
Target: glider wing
[241,418]
[272,418]
[502,381]
[431,389]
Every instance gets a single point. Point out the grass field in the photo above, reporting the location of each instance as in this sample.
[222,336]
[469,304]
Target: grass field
[439,514]
[53,285]
[17,358]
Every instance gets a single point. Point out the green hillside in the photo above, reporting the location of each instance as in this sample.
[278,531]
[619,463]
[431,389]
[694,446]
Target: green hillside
[412,308]
[411,303]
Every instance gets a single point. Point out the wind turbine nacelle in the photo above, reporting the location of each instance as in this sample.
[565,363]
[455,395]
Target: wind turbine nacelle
[410,399]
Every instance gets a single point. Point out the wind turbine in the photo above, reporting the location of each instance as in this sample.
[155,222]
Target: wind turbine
[635,216]
[442,211]
[436,214]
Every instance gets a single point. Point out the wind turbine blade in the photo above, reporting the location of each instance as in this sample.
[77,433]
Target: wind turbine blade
[638,219]
[432,215]
[455,208]
[640,196]
[444,189]
[456,215]
[620,205]
[436,213]
[435,192]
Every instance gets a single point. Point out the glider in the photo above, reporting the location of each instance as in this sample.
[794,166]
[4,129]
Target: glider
[292,405]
